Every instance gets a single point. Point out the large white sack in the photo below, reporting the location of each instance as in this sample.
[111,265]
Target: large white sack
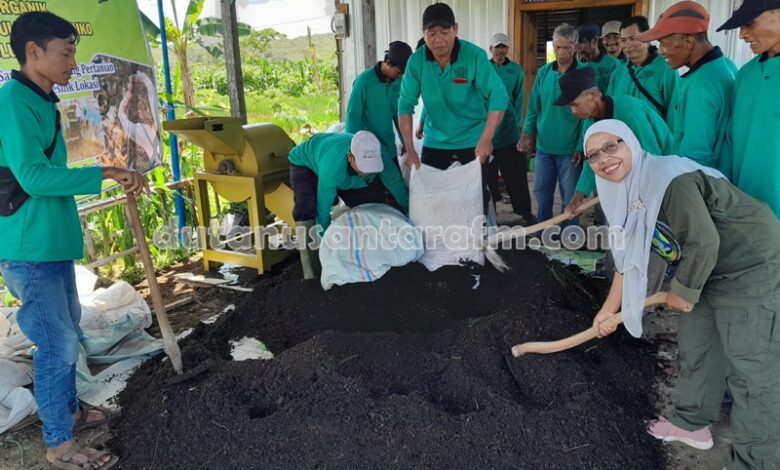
[447,206]
[365,242]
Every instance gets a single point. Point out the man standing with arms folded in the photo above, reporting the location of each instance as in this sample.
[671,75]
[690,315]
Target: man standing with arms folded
[553,131]
[645,75]
[755,163]
[464,98]
[41,229]
[700,112]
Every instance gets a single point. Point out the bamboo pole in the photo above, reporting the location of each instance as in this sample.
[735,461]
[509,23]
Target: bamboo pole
[169,338]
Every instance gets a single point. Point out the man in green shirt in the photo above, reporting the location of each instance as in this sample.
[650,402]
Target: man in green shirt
[580,93]
[611,40]
[590,54]
[700,111]
[513,164]
[351,167]
[553,131]
[645,75]
[373,103]
[464,98]
[41,228]
[755,162]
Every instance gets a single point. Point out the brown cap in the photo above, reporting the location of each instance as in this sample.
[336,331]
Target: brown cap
[681,18]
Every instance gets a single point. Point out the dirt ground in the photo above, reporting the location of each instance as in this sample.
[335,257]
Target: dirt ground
[22,450]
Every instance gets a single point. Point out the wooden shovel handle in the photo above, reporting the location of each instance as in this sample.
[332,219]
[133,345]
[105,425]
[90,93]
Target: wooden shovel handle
[531,229]
[547,347]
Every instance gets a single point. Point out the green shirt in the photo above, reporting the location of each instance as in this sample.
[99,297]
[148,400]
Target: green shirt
[557,130]
[326,155]
[701,109]
[640,116]
[755,131]
[508,133]
[47,227]
[730,242]
[656,77]
[457,99]
[373,106]
[604,66]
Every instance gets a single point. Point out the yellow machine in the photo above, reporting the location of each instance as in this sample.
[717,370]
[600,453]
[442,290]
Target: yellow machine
[242,164]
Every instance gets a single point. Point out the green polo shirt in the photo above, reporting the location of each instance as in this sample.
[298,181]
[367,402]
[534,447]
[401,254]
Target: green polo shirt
[326,155]
[730,242]
[457,99]
[373,106]
[508,133]
[656,77]
[604,66]
[46,227]
[755,163]
[557,130]
[643,120]
[701,109]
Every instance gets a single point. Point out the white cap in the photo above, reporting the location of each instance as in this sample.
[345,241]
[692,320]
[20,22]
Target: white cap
[499,38]
[610,27]
[367,151]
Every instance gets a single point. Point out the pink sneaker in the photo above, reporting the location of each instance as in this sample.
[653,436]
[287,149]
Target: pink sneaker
[668,432]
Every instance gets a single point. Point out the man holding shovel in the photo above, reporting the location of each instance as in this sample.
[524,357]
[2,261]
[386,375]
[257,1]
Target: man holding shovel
[42,232]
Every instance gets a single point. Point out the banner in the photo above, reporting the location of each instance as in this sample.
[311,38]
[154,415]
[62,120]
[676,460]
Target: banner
[110,106]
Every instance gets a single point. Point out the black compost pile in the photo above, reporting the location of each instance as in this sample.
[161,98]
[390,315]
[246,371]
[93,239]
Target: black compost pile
[410,372]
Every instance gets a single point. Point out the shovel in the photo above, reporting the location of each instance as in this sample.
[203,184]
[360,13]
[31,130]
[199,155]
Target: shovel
[547,347]
[498,238]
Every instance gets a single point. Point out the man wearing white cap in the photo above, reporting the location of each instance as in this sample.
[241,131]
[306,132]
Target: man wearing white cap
[610,37]
[341,165]
[513,164]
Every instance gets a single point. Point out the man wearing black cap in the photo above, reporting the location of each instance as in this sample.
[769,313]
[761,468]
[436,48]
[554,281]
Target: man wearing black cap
[590,54]
[581,94]
[464,98]
[373,103]
[755,166]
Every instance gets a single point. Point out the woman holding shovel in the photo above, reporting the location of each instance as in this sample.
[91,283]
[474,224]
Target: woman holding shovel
[727,285]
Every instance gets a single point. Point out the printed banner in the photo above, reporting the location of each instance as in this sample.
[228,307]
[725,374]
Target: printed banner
[110,107]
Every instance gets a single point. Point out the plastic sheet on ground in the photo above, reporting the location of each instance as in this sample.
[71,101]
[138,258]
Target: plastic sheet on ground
[114,322]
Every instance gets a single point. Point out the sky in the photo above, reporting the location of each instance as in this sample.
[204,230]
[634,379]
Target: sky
[287,16]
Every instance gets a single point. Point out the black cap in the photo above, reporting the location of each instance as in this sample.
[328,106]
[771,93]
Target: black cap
[747,11]
[575,82]
[398,53]
[588,31]
[438,14]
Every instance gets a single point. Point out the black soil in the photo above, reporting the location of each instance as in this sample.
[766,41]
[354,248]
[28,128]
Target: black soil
[410,372]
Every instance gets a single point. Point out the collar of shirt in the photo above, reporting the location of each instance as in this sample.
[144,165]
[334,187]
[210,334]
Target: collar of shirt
[765,57]
[574,65]
[453,54]
[597,59]
[609,108]
[714,54]
[505,62]
[652,53]
[380,75]
[21,78]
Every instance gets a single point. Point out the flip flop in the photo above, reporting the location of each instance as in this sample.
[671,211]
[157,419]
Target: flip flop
[93,463]
[82,424]
[31,419]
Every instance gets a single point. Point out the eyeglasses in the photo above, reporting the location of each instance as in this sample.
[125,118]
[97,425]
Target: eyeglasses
[610,148]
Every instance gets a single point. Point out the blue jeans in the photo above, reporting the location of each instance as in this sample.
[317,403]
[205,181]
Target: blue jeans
[49,317]
[550,170]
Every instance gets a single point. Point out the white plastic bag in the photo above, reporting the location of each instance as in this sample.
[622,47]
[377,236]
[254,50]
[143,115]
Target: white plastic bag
[365,242]
[447,206]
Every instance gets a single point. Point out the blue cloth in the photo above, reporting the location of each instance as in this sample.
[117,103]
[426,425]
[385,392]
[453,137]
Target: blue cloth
[49,317]
[549,171]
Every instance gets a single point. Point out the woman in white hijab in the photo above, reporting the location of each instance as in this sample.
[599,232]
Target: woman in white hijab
[725,247]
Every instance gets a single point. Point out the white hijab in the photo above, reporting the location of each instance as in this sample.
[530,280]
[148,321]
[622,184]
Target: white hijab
[633,204]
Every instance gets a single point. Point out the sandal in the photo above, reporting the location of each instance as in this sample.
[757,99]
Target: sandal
[82,423]
[93,463]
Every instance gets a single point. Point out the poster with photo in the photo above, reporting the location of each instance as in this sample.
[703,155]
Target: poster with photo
[109,109]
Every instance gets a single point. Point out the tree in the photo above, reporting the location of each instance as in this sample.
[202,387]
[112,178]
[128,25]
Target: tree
[257,41]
